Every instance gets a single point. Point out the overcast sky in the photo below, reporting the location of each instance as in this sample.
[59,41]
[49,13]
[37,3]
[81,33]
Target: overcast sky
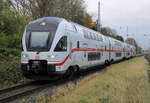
[118,14]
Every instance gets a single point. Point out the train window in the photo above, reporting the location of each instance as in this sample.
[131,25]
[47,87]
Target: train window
[100,38]
[94,36]
[88,35]
[118,54]
[78,44]
[85,35]
[22,46]
[105,47]
[61,45]
[98,56]
[117,43]
[91,37]
[92,56]
[75,28]
[84,32]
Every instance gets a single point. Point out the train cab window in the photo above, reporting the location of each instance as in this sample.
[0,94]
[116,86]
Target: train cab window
[38,41]
[61,45]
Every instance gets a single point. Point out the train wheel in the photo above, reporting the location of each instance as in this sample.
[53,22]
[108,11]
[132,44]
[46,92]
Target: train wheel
[69,73]
[107,62]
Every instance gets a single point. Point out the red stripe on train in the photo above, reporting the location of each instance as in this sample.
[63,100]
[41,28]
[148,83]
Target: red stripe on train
[84,49]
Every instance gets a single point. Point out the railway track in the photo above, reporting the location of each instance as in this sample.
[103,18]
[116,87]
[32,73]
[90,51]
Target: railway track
[12,93]
[19,91]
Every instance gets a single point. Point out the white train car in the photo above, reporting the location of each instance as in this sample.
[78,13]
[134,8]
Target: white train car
[133,51]
[54,46]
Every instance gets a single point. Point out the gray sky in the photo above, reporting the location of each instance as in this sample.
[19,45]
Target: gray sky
[118,14]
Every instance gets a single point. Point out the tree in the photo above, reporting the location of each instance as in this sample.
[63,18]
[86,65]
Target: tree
[10,23]
[88,22]
[108,31]
[120,38]
[133,42]
[69,9]
[111,33]
[4,5]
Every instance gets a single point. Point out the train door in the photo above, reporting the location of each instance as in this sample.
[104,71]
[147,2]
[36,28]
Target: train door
[109,50]
[124,51]
[70,48]
[84,56]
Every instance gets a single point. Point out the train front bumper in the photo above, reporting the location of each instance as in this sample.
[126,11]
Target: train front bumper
[38,72]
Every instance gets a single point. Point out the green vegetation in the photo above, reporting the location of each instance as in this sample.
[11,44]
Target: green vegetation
[125,82]
[11,28]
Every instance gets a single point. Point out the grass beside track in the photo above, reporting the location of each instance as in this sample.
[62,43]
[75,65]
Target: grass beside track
[124,82]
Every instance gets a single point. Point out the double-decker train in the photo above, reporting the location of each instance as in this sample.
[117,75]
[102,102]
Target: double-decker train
[54,46]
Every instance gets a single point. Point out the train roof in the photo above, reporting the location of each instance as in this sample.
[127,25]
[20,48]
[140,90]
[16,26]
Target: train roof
[55,21]
[47,20]
[45,23]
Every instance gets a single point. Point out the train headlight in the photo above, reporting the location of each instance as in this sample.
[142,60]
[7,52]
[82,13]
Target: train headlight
[24,55]
[51,56]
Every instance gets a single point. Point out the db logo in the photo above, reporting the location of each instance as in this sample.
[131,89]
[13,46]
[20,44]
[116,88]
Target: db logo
[37,57]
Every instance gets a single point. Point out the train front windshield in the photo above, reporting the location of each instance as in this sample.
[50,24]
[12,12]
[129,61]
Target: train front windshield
[39,40]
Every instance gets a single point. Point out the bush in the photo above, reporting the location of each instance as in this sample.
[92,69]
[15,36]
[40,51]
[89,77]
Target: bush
[10,41]
[11,28]
[10,72]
